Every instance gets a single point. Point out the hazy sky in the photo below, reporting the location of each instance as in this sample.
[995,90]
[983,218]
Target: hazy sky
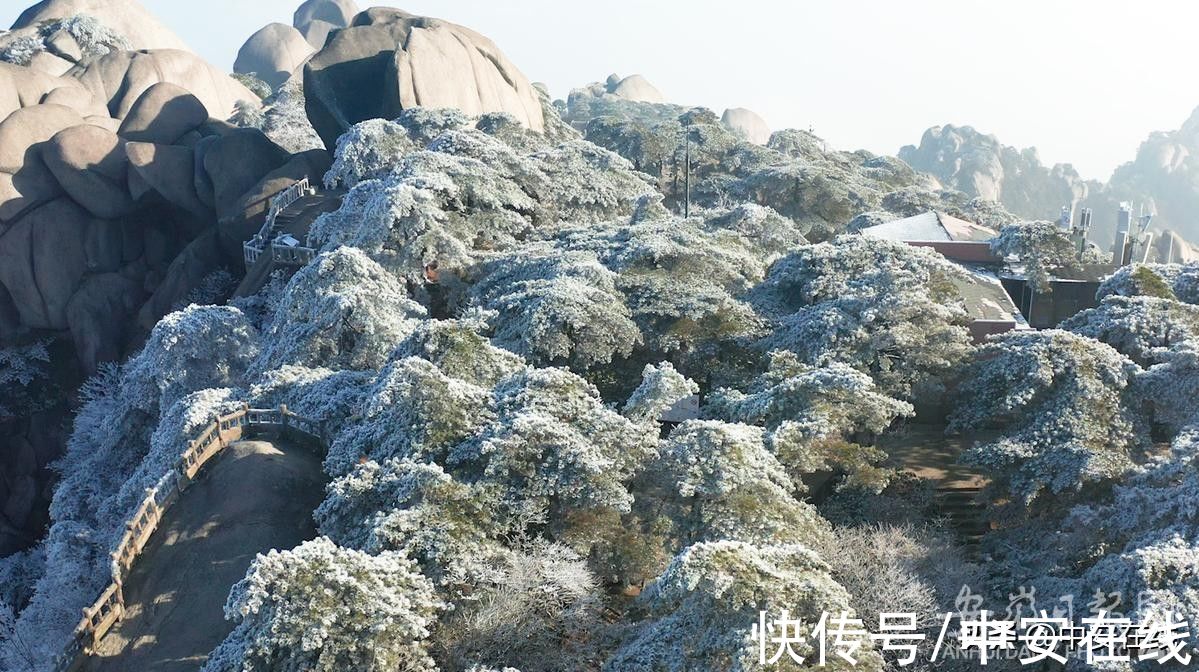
[1083,81]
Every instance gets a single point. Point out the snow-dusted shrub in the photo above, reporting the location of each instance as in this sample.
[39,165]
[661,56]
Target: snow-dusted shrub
[541,613]
[450,528]
[1171,388]
[683,280]
[703,607]
[1163,281]
[323,608]
[1142,328]
[286,123]
[92,37]
[460,350]
[887,309]
[413,410]
[898,568]
[661,388]
[1059,403]
[719,481]
[463,192]
[368,151]
[554,448]
[814,415]
[192,349]
[553,307]
[340,311]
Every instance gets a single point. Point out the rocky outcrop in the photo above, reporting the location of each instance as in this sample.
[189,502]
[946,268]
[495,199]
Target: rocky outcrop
[317,33]
[978,165]
[388,60]
[747,124]
[120,78]
[127,17]
[1165,177]
[635,88]
[110,179]
[163,113]
[273,54]
[338,13]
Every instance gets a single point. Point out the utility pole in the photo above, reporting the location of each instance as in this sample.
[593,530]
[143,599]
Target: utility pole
[687,176]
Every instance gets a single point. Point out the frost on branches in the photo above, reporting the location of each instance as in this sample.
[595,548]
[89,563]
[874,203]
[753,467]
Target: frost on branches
[815,415]
[431,187]
[702,608]
[452,529]
[1162,281]
[1061,406]
[340,311]
[1143,328]
[413,410]
[554,307]
[887,309]
[661,388]
[718,481]
[324,608]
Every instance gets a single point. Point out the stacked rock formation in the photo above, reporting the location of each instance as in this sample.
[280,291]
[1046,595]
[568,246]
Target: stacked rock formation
[122,194]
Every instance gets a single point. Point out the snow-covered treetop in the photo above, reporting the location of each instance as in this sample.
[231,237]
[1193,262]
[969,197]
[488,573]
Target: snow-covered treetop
[1141,327]
[887,309]
[1163,281]
[342,310]
[1061,405]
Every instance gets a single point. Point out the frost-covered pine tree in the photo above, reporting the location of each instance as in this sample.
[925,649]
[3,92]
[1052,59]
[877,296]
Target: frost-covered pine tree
[718,481]
[703,607]
[340,311]
[321,607]
[889,310]
[818,417]
[1143,328]
[1059,404]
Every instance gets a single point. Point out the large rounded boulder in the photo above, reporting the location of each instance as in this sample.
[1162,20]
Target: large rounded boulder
[337,13]
[387,61]
[127,17]
[273,54]
[636,88]
[120,78]
[746,123]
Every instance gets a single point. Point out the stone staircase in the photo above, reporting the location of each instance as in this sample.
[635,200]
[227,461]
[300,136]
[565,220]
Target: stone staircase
[925,451]
[962,507]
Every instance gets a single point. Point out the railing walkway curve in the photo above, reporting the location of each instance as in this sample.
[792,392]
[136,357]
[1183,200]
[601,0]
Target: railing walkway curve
[109,607]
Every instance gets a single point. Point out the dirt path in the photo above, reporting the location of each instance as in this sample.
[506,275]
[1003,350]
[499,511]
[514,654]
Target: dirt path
[926,451]
[255,496]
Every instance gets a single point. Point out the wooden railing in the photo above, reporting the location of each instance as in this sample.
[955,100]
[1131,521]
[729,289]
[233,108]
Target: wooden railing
[224,430]
[264,240]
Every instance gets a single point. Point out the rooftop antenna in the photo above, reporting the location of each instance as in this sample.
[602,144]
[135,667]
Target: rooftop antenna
[1123,235]
[1066,220]
[1079,232]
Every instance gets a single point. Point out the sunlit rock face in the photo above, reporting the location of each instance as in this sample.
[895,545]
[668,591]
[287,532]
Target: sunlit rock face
[126,17]
[273,54]
[387,61]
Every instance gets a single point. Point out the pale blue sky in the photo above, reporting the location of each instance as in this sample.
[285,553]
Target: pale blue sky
[1083,81]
